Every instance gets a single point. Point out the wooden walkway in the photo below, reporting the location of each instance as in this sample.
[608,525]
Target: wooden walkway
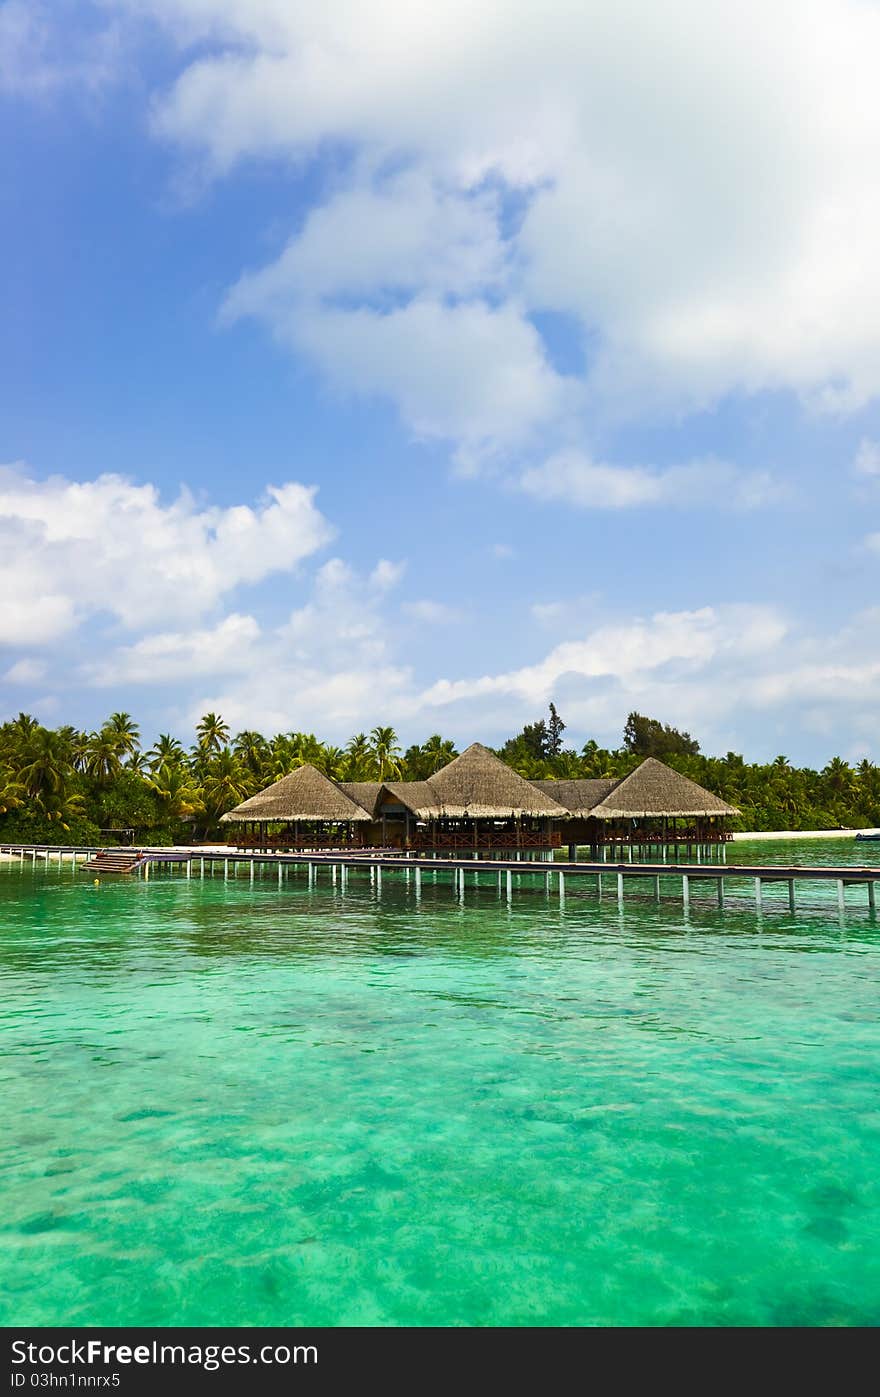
[556,875]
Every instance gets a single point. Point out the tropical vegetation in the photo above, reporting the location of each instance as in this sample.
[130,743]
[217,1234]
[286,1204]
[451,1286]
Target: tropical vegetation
[65,786]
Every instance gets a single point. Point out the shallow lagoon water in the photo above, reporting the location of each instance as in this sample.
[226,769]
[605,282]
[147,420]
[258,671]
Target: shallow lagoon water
[234,1103]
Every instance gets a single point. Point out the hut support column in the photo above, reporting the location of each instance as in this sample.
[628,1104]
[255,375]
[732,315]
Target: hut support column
[841,900]
[561,886]
[685,890]
[872,905]
[657,887]
[759,901]
[721,893]
[791,894]
[620,887]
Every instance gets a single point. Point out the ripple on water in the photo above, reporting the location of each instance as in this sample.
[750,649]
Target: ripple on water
[227,1104]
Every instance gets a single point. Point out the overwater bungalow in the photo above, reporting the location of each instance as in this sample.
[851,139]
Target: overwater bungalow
[479,806]
[654,806]
[304,810]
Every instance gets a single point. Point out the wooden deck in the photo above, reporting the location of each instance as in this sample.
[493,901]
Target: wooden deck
[554,875]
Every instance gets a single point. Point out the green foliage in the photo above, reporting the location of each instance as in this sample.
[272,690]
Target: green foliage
[65,786]
[646,737]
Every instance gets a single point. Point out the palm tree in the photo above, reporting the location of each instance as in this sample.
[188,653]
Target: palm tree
[62,807]
[104,756]
[331,762]
[437,752]
[123,727]
[46,771]
[11,792]
[839,777]
[166,749]
[212,733]
[386,752]
[251,747]
[79,750]
[226,784]
[24,726]
[281,758]
[177,791]
[359,763]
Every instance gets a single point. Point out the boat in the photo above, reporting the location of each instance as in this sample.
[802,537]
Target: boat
[868,838]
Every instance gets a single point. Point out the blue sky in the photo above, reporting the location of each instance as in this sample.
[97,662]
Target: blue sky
[400,363]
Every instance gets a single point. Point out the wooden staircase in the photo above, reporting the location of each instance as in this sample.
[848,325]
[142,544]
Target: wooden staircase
[113,861]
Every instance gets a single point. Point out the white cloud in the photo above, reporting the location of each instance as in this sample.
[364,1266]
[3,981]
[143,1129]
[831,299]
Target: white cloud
[175,657]
[867,460]
[572,477]
[697,181]
[25,672]
[431,613]
[330,666]
[685,640]
[45,47]
[71,549]
[408,236]
[570,614]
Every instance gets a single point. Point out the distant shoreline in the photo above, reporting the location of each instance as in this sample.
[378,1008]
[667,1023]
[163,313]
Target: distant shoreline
[802,833]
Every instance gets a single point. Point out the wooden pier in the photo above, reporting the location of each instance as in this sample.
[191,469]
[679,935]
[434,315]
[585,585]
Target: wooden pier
[604,878]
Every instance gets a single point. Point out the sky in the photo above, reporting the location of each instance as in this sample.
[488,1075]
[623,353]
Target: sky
[382,361]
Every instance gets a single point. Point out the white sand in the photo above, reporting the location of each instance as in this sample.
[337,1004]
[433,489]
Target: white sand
[803,833]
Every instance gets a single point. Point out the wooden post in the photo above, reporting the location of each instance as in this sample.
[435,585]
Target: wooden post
[721,892]
[841,900]
[759,900]
[872,906]
[509,886]
[418,884]
[685,889]
[561,886]
[791,894]
[620,887]
[657,887]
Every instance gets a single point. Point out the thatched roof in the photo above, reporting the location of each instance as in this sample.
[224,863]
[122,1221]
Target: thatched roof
[481,786]
[579,797]
[419,797]
[365,793]
[306,794]
[655,789]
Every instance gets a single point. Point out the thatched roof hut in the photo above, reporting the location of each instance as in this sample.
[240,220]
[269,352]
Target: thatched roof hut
[654,789]
[418,797]
[478,785]
[306,794]
[363,793]
[578,797]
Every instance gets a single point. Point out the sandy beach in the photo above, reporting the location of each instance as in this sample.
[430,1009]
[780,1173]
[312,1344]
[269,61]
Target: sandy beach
[802,833]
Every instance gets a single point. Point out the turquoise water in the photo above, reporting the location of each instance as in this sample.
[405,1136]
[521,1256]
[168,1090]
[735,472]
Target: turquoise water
[239,1104]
